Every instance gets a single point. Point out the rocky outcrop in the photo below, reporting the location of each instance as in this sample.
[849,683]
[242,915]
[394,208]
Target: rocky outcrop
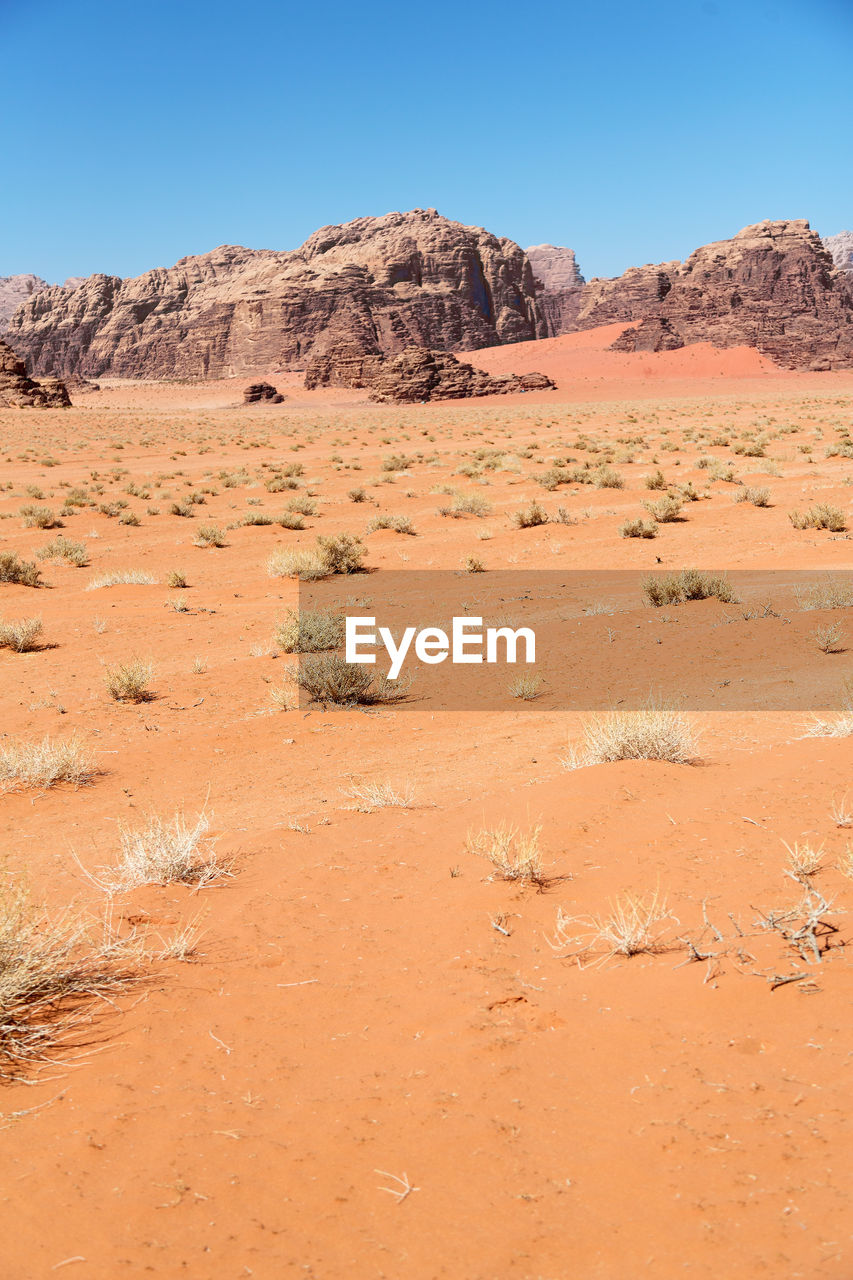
[416,375]
[13,291]
[262,393]
[554,266]
[651,334]
[18,391]
[841,250]
[773,286]
[378,284]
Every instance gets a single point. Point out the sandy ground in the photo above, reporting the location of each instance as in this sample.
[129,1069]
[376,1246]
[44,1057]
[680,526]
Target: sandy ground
[368,1007]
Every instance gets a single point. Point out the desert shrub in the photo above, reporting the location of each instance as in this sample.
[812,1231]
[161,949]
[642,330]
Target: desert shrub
[829,593]
[23,572]
[820,516]
[472,564]
[39,518]
[530,516]
[400,524]
[176,579]
[357,495]
[638,529]
[129,518]
[257,518]
[309,631]
[62,550]
[515,854]
[665,510]
[303,506]
[328,678]
[183,508]
[606,478]
[278,484]
[22,636]
[656,480]
[174,852]
[25,765]
[651,733]
[467,504]
[291,520]
[687,584]
[128,681]
[758,497]
[397,462]
[303,564]
[209,535]
[341,553]
[121,578]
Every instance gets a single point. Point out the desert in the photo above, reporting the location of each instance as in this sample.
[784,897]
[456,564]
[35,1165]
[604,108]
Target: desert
[426,641]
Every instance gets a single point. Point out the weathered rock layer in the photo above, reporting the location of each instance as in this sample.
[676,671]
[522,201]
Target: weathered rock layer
[19,391]
[415,375]
[379,284]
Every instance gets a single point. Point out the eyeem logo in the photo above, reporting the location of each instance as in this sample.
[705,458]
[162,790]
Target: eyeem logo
[465,643]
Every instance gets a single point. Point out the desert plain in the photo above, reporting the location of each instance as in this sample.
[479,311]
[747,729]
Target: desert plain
[353,1043]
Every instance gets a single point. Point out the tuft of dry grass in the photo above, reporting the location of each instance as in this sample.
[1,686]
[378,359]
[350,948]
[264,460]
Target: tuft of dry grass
[527,688]
[829,593]
[329,678]
[686,584]
[666,510]
[173,852]
[638,528]
[820,516]
[630,928]
[515,854]
[122,577]
[62,551]
[209,535]
[30,765]
[650,733]
[128,681]
[829,638]
[51,970]
[22,636]
[804,861]
[380,795]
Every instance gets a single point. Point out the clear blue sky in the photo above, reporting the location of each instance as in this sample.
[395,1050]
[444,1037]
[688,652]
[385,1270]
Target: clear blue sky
[137,133]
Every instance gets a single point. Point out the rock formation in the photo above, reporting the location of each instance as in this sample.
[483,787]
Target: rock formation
[13,291]
[772,286]
[651,334]
[379,284]
[841,250]
[415,375]
[262,393]
[18,391]
[556,267]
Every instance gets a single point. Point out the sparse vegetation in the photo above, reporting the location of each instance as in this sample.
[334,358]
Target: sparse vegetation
[129,681]
[44,764]
[515,854]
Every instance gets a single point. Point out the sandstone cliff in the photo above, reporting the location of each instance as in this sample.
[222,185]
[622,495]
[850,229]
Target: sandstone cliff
[380,284]
[555,266]
[18,391]
[13,291]
[415,375]
[841,250]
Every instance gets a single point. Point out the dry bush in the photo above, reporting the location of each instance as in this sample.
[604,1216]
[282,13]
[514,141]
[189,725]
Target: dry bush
[25,573]
[531,516]
[837,726]
[51,970]
[303,564]
[285,697]
[473,564]
[758,497]
[61,550]
[25,765]
[174,852]
[526,687]
[606,478]
[22,636]
[40,518]
[629,928]
[176,579]
[687,584]
[651,733]
[328,678]
[291,520]
[209,535]
[829,593]
[804,861]
[665,510]
[656,480]
[829,639]
[128,681]
[380,795]
[638,529]
[514,853]
[467,504]
[341,553]
[399,524]
[121,578]
[309,631]
[820,516]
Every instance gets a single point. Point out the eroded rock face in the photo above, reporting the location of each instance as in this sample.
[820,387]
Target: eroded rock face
[14,290]
[555,266]
[840,248]
[414,376]
[773,286]
[18,391]
[378,284]
[651,334]
[262,393]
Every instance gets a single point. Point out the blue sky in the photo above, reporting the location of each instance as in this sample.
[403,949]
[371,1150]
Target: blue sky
[136,134]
